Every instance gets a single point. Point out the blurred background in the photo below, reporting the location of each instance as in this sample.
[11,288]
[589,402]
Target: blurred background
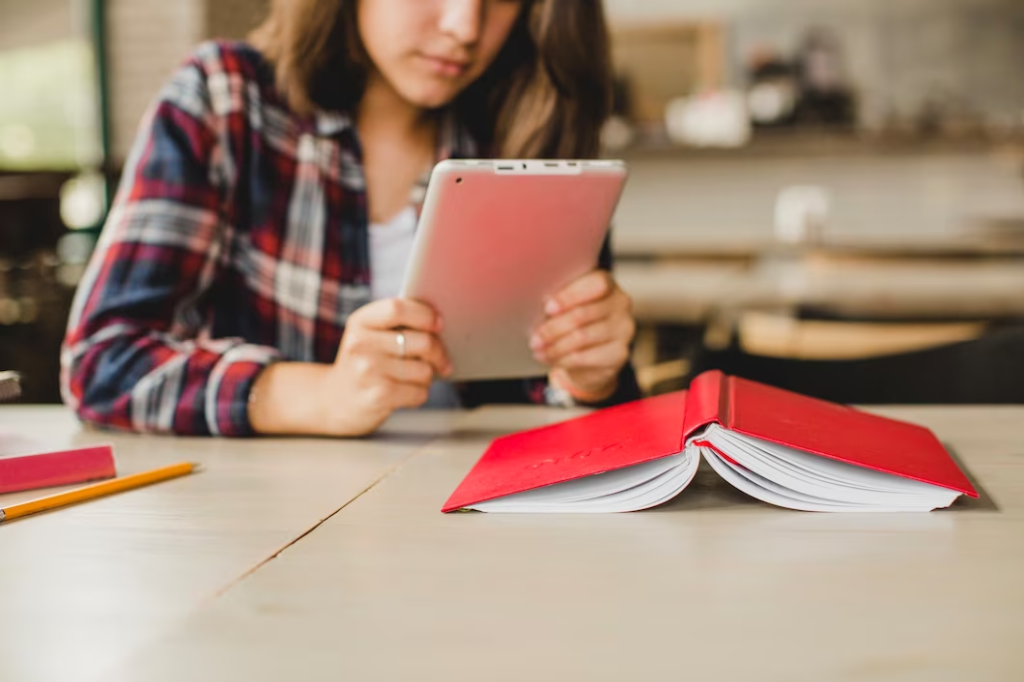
[825,194]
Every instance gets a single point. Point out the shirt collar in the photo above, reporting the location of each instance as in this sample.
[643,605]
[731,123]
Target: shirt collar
[453,141]
[330,123]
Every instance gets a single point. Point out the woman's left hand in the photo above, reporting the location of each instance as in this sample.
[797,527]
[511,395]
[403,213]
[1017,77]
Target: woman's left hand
[586,337]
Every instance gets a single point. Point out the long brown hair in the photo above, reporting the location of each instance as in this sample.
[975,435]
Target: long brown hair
[546,95]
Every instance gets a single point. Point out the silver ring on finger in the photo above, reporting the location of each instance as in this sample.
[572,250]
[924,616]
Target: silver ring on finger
[400,340]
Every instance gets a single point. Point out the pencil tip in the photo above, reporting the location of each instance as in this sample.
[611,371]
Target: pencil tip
[196,466]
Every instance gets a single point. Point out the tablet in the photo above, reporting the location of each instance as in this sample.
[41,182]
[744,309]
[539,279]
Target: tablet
[496,239]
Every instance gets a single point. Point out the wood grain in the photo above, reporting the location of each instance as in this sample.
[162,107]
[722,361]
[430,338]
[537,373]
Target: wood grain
[82,587]
[712,586]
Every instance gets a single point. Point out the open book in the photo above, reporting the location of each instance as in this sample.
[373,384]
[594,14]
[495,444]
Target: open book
[779,447]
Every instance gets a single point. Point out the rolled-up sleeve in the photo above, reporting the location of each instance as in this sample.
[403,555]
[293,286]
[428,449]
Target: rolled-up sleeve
[134,357]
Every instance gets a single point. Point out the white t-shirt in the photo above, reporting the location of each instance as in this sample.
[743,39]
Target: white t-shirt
[390,248]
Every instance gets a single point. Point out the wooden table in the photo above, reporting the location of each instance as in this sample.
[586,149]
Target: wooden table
[82,587]
[176,582]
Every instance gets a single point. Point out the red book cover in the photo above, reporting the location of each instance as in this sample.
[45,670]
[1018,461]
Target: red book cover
[605,440]
[823,428]
[61,467]
[657,427]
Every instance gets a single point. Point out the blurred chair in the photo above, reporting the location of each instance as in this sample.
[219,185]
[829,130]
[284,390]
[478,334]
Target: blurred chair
[784,336]
[984,370]
[34,304]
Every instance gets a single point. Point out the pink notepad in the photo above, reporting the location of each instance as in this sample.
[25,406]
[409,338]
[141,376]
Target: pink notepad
[22,468]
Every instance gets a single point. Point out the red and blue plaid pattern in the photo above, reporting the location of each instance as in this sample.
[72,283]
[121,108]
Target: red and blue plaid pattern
[238,237]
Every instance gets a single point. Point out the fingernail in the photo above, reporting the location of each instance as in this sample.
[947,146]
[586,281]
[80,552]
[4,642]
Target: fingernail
[449,370]
[540,357]
[536,342]
[552,307]
[439,324]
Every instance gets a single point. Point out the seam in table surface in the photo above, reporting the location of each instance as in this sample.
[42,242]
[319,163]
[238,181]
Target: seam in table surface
[373,484]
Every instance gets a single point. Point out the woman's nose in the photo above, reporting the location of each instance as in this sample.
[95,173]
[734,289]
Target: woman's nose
[463,19]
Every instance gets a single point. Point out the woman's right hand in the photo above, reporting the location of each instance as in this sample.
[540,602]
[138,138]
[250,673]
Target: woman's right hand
[371,376]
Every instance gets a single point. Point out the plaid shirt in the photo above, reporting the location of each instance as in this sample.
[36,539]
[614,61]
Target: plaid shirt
[238,238]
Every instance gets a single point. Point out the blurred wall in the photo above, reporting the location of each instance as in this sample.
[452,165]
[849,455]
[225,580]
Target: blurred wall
[964,55]
[233,18]
[149,39]
[27,23]
[902,53]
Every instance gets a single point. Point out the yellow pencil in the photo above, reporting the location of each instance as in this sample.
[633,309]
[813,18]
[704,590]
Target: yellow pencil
[91,492]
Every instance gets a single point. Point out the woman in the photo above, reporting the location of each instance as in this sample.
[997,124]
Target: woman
[245,281]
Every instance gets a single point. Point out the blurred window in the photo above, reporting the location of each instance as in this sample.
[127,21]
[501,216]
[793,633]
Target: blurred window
[49,107]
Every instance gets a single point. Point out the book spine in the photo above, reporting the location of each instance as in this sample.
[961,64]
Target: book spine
[56,468]
[708,402]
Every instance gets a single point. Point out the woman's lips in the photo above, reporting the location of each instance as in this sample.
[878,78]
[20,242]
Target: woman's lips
[449,68]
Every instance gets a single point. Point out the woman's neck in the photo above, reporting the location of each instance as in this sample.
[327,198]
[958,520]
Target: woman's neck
[382,109]
[398,143]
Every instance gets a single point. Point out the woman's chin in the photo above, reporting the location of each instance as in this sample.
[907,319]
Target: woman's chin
[432,96]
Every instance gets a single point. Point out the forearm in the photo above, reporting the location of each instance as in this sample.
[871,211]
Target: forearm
[626,388]
[622,388]
[309,399]
[285,400]
[532,390]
